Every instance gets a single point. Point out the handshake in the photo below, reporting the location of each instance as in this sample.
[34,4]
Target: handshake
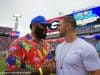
[48,67]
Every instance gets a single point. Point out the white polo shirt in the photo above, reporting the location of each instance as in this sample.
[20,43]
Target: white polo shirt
[76,58]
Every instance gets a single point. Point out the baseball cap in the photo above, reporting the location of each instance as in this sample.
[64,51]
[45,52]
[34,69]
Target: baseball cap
[40,19]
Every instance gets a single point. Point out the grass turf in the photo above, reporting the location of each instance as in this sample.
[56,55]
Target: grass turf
[2,65]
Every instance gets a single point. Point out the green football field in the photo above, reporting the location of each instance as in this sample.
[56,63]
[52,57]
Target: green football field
[2,65]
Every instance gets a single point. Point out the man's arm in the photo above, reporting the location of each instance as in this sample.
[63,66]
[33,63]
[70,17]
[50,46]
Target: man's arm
[96,72]
[51,65]
[91,61]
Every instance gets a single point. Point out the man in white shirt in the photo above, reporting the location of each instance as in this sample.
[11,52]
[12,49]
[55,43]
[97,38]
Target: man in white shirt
[74,56]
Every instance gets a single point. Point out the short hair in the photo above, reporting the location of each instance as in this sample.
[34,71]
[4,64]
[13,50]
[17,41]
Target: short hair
[69,19]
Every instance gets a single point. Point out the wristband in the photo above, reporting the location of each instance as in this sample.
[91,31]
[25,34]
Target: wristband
[40,70]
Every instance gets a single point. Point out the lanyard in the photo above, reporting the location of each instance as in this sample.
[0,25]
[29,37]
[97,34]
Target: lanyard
[64,55]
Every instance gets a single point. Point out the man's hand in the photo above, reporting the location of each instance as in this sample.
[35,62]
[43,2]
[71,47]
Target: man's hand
[48,67]
[96,72]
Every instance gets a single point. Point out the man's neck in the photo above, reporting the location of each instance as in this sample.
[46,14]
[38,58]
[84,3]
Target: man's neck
[34,37]
[70,37]
[40,41]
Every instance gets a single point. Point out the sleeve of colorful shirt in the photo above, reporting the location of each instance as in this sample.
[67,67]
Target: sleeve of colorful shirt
[48,47]
[13,60]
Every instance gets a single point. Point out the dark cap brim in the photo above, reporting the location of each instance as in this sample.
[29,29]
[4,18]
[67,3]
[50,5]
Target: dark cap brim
[46,24]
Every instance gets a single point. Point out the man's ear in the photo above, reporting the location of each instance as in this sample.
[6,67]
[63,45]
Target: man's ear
[34,25]
[68,26]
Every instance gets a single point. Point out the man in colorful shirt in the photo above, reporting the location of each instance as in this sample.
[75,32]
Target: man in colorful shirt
[31,51]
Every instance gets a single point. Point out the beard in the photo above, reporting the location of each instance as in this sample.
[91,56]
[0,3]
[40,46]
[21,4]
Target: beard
[39,33]
[62,34]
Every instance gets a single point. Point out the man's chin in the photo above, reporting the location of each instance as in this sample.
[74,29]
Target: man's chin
[42,37]
[61,35]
